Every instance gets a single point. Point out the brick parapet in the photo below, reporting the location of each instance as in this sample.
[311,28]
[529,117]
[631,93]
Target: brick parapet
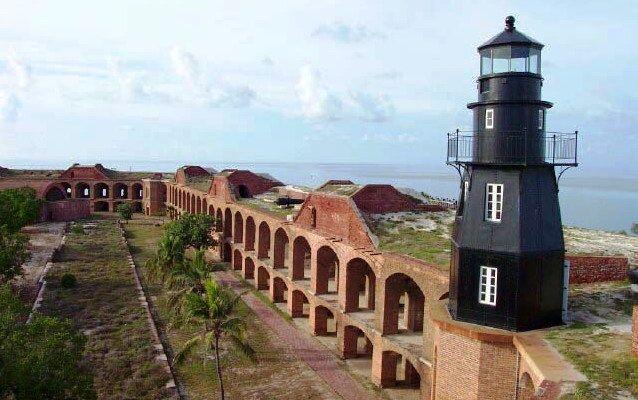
[590,269]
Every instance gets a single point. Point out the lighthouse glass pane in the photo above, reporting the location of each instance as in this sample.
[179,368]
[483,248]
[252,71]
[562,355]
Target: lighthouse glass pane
[534,61]
[486,62]
[501,59]
[519,59]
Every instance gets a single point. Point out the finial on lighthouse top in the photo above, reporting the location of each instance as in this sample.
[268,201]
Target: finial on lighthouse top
[509,23]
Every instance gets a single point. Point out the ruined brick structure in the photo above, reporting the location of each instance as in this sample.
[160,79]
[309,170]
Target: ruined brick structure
[101,187]
[589,269]
[324,265]
[634,330]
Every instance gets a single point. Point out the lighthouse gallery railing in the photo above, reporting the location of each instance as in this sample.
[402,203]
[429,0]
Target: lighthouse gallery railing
[512,148]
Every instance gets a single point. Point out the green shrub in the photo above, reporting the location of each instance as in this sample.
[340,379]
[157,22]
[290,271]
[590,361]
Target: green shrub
[77,229]
[125,210]
[13,253]
[68,281]
[18,208]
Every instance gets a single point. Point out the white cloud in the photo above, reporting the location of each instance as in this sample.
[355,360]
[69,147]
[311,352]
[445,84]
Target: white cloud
[316,101]
[185,65]
[374,108]
[390,138]
[235,97]
[19,71]
[9,106]
[130,87]
[341,32]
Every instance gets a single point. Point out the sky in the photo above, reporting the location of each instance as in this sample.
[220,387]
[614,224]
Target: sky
[298,81]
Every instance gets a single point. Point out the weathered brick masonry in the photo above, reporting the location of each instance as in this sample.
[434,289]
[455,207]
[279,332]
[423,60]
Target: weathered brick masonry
[589,269]
[635,331]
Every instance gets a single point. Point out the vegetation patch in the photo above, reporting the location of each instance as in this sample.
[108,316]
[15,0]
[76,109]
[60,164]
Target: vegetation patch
[104,306]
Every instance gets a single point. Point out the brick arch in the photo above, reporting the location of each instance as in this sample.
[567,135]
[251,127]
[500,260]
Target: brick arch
[327,277]
[360,286]
[198,205]
[391,364]
[323,321]
[219,220]
[67,189]
[82,190]
[280,248]
[101,190]
[193,204]
[238,229]
[301,258]
[298,302]
[526,390]
[237,260]
[279,290]
[263,278]
[249,268]
[356,343]
[401,286]
[227,252]
[188,202]
[120,190]
[137,191]
[55,192]
[249,244]
[228,223]
[263,245]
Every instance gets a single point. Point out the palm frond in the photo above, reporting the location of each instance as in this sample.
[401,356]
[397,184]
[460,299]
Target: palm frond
[187,349]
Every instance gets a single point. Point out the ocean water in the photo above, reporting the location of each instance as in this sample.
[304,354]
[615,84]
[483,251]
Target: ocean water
[589,202]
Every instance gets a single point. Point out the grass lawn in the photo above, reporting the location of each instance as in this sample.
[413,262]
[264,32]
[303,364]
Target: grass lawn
[104,306]
[274,373]
[598,342]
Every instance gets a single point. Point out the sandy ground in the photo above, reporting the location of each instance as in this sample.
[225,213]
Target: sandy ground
[590,241]
[43,239]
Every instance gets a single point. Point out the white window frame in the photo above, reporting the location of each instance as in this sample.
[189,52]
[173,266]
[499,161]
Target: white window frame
[494,202]
[489,118]
[466,190]
[541,118]
[488,283]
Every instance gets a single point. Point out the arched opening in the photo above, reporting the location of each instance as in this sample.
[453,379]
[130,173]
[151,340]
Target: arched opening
[211,210]
[181,199]
[327,280]
[263,278]
[526,387]
[250,234]
[325,323]
[397,370]
[120,191]
[244,192]
[101,190]
[279,290]
[280,251]
[198,207]
[101,206]
[238,232]
[188,203]
[138,192]
[355,343]
[205,207]
[137,206]
[360,286]
[237,260]
[264,241]
[193,206]
[228,223]
[301,258]
[82,191]
[249,268]
[299,305]
[227,252]
[55,193]
[404,305]
[219,223]
[67,189]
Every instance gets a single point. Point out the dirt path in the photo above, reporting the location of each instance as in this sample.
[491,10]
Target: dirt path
[322,361]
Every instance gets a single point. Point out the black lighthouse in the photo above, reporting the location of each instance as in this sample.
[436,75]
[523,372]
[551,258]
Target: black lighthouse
[507,269]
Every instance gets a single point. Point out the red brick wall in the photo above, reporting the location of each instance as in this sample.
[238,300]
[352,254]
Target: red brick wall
[65,210]
[337,216]
[588,269]
[154,197]
[221,188]
[379,199]
[634,329]
[255,183]
[84,172]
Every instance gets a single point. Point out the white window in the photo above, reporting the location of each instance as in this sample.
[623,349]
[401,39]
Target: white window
[541,118]
[466,190]
[487,287]
[489,118]
[493,202]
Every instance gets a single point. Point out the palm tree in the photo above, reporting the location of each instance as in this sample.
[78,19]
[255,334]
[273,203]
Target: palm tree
[184,278]
[216,310]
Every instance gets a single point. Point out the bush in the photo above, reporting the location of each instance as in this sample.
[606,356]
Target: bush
[42,359]
[13,253]
[18,208]
[68,281]
[125,210]
[77,229]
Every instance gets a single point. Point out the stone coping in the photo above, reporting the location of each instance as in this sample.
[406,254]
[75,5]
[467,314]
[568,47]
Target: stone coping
[545,361]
